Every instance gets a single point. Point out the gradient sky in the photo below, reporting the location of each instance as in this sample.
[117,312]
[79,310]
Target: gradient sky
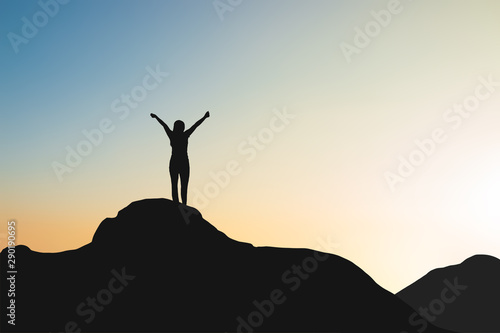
[317,180]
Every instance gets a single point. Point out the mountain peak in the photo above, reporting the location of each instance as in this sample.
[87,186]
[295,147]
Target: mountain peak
[481,260]
[159,266]
[474,303]
[159,221]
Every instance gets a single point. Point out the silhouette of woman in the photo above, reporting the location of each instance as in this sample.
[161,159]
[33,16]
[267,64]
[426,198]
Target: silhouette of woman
[179,162]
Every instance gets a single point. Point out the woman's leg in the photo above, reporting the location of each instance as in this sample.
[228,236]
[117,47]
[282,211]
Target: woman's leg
[184,172]
[174,179]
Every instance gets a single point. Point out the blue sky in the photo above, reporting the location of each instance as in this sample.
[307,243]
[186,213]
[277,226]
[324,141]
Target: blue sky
[323,176]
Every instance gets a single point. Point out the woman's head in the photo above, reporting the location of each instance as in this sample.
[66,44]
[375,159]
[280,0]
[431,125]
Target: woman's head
[179,126]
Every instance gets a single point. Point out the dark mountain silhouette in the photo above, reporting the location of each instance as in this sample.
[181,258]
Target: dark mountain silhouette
[463,298]
[158,266]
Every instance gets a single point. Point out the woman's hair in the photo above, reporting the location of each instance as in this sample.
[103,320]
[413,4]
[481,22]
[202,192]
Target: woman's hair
[179,126]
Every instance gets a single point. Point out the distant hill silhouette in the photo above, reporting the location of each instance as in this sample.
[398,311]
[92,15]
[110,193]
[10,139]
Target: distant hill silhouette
[148,269]
[474,306]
